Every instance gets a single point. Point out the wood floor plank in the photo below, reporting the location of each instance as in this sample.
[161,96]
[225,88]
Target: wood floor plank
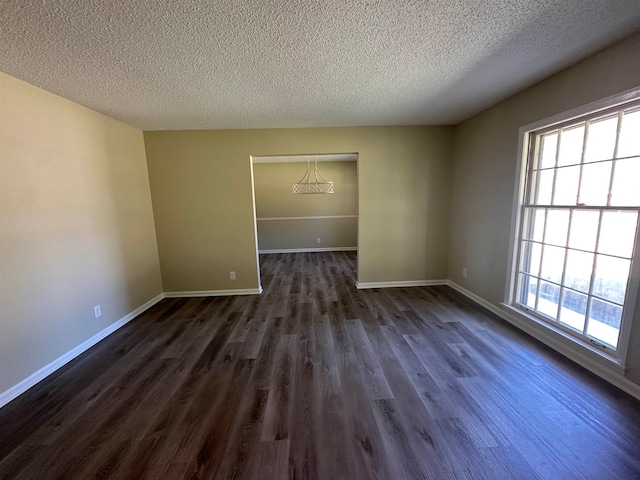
[273,461]
[373,378]
[244,441]
[315,379]
[303,423]
[277,421]
[362,436]
[411,422]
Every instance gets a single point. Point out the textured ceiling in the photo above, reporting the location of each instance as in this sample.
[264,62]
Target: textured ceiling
[195,64]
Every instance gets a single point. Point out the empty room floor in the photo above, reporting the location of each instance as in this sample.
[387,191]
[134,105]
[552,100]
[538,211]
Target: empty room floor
[315,379]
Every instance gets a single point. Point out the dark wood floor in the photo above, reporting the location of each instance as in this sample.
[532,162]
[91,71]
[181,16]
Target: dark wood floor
[314,379]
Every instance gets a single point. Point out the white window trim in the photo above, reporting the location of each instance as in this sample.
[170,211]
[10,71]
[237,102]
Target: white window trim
[619,359]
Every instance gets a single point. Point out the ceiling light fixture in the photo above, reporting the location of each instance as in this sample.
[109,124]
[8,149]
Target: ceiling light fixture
[305,185]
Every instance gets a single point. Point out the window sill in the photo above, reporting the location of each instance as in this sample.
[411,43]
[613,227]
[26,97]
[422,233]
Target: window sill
[574,348]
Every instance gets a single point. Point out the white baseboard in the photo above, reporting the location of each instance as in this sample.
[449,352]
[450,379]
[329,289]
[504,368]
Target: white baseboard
[31,380]
[307,250]
[214,293]
[405,283]
[550,339]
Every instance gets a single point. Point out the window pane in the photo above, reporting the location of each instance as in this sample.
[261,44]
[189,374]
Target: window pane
[594,186]
[571,145]
[557,225]
[544,187]
[629,142]
[626,188]
[538,224]
[534,226]
[528,287]
[548,301]
[578,272]
[573,309]
[617,234]
[611,278]
[566,192]
[531,257]
[601,139]
[548,149]
[584,229]
[604,322]
[552,263]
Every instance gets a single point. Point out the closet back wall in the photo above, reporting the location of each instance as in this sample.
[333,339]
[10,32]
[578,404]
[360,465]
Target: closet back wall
[287,221]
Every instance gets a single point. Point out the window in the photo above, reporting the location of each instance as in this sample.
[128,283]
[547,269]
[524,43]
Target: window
[579,216]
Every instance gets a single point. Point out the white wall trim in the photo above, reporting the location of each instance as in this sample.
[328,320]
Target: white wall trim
[322,157]
[317,217]
[255,224]
[548,337]
[405,283]
[213,293]
[308,250]
[34,378]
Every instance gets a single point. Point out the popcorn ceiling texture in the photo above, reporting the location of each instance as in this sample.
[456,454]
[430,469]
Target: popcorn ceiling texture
[196,64]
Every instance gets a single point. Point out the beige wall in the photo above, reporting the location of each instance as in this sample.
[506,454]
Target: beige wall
[334,233]
[203,207]
[274,196]
[485,167]
[275,199]
[77,226]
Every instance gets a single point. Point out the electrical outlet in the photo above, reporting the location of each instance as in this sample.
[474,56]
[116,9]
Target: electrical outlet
[97,311]
[318,240]
[464,273]
[232,275]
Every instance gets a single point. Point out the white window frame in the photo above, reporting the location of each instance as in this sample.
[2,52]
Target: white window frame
[618,356]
